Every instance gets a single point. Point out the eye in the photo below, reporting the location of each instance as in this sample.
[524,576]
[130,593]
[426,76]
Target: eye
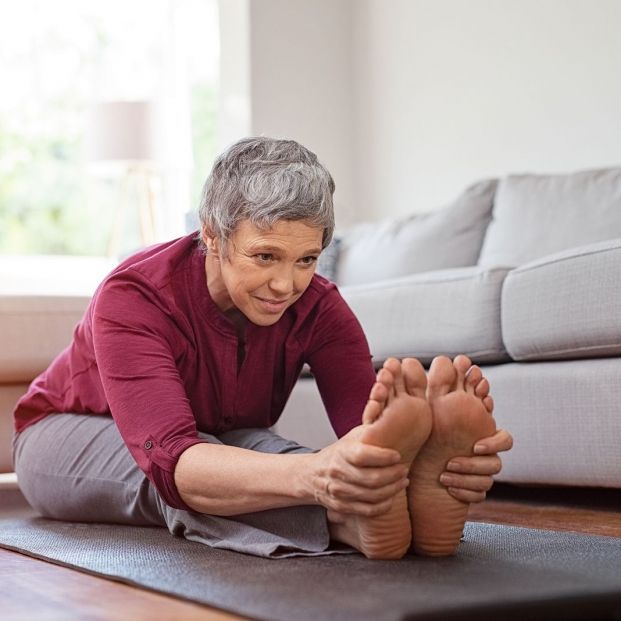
[308,260]
[264,257]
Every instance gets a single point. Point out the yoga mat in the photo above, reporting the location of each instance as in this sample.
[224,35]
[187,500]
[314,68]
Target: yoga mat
[500,572]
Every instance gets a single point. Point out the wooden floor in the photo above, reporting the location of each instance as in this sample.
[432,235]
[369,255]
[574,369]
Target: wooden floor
[33,590]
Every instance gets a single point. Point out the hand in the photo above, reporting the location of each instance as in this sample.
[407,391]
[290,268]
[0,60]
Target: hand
[355,478]
[469,478]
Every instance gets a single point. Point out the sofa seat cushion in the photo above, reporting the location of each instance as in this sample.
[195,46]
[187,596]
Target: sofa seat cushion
[445,238]
[565,305]
[34,329]
[537,215]
[442,312]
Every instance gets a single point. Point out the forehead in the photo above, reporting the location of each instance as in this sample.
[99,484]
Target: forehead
[288,234]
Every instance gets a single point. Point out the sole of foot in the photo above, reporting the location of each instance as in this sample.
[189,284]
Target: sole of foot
[461,415]
[397,416]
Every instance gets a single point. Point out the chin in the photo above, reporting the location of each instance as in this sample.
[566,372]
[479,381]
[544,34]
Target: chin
[265,320]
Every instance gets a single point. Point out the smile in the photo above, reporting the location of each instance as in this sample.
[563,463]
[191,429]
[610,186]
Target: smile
[273,306]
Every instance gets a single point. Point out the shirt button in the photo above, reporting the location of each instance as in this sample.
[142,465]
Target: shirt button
[148,444]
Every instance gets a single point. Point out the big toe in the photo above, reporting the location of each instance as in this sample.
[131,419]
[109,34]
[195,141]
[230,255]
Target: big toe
[414,377]
[441,377]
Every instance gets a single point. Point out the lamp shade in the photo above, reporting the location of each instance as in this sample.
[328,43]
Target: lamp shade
[121,131]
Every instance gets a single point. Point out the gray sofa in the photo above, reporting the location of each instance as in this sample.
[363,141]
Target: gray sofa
[523,275]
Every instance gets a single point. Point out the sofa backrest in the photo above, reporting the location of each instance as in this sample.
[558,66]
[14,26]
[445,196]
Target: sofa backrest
[447,238]
[538,215]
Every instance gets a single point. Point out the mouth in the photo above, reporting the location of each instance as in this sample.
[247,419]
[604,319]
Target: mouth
[273,306]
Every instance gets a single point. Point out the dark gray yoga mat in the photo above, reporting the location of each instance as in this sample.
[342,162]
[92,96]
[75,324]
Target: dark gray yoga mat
[500,572]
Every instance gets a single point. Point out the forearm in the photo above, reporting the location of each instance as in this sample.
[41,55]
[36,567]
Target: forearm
[226,480]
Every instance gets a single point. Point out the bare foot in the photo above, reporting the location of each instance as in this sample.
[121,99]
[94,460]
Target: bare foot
[461,407]
[397,416]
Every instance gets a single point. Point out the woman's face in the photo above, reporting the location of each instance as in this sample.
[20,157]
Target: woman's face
[265,271]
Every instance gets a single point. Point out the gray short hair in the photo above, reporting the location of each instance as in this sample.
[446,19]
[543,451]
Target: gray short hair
[265,180]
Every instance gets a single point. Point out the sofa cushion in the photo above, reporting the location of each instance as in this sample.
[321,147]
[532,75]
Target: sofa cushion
[537,215]
[33,331]
[565,305]
[449,237]
[442,312]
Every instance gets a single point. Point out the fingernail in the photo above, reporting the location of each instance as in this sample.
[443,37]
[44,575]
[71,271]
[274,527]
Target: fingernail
[480,448]
[452,465]
[446,479]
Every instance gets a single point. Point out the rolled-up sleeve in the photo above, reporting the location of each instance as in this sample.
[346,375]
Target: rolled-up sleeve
[135,339]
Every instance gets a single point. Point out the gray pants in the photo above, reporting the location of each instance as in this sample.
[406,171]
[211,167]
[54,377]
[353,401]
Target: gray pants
[76,467]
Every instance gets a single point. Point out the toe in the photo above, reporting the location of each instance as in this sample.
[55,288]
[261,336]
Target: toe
[441,377]
[414,377]
[385,377]
[377,401]
[394,367]
[473,376]
[482,388]
[379,393]
[371,412]
[462,364]
[488,402]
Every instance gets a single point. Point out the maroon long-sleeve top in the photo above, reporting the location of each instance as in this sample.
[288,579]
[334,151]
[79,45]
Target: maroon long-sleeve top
[154,351]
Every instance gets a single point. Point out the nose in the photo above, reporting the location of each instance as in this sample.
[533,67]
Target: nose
[281,281]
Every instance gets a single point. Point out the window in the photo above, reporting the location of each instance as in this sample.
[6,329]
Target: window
[59,58]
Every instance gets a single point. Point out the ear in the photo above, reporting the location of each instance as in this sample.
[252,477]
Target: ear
[211,242]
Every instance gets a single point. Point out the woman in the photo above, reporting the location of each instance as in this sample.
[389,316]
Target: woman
[158,411]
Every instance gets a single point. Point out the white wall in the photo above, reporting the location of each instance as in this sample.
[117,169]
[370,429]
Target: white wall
[409,101]
[302,82]
[449,91]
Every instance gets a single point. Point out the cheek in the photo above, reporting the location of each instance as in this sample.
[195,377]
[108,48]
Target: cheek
[244,281]
[302,280]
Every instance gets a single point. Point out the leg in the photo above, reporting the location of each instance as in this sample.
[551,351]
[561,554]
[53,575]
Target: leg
[76,467]
[461,416]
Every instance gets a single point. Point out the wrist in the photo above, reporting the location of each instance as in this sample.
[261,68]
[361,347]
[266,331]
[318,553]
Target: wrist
[304,475]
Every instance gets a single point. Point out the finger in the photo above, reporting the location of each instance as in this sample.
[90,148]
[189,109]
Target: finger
[342,490]
[373,478]
[359,508]
[466,495]
[471,482]
[488,464]
[501,441]
[367,456]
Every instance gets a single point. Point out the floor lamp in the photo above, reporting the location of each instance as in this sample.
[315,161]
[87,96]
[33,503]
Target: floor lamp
[122,133]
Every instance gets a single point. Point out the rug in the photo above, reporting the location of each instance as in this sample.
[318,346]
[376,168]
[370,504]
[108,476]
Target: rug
[500,572]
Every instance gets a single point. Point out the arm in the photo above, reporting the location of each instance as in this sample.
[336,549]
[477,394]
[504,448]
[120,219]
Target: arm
[131,335]
[226,480]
